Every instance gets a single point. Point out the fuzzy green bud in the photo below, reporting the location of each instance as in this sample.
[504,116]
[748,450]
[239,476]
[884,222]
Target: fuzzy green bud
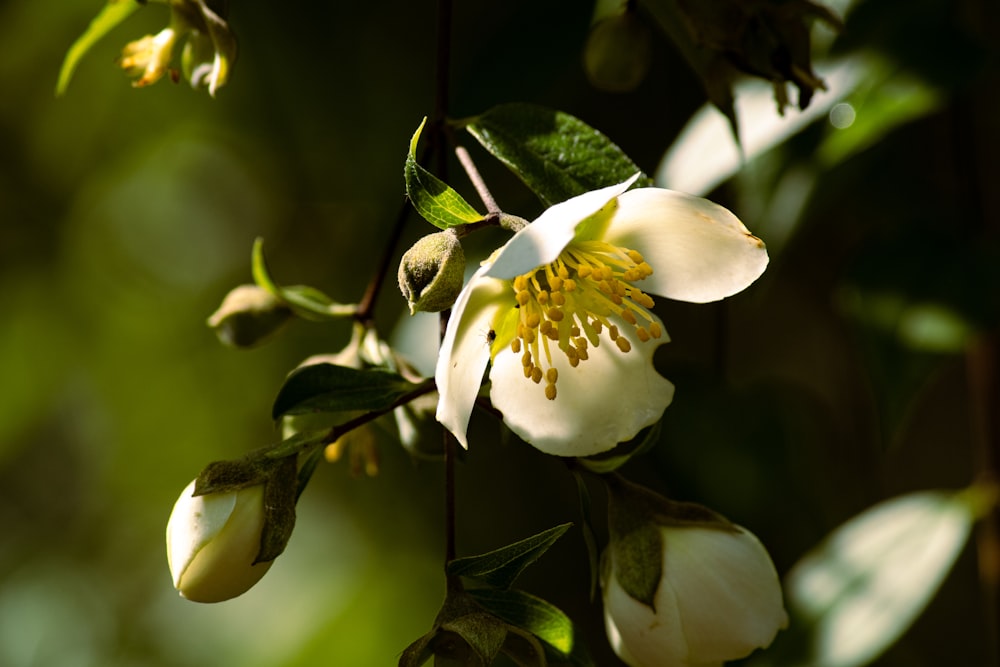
[618,52]
[431,272]
[248,315]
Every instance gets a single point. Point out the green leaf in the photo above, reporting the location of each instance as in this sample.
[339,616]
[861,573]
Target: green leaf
[433,198]
[307,302]
[113,13]
[332,388]
[557,155]
[537,616]
[870,579]
[501,567]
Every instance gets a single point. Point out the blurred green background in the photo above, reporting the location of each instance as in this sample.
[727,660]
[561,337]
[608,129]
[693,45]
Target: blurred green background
[837,380]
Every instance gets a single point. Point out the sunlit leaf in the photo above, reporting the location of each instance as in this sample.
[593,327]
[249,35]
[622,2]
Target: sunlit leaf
[307,302]
[870,579]
[501,567]
[557,155]
[434,199]
[540,618]
[332,388]
[113,13]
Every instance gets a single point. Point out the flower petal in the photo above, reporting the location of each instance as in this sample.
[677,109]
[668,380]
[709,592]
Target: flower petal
[541,242]
[699,250]
[605,400]
[465,351]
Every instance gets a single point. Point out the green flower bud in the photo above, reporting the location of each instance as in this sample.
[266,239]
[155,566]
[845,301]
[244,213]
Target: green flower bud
[248,315]
[213,543]
[431,273]
[683,586]
[617,54]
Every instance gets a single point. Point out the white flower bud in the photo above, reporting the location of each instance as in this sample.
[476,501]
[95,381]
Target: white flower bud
[718,599]
[248,315]
[213,542]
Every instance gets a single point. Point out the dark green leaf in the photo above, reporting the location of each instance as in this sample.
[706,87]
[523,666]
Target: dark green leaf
[501,567]
[113,13]
[433,198]
[557,155]
[623,453]
[307,302]
[332,388]
[539,617]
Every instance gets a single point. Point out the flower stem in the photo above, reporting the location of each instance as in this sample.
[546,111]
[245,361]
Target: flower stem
[477,180]
[365,312]
[442,71]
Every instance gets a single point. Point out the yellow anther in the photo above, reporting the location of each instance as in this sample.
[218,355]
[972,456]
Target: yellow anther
[526,359]
[559,298]
[597,326]
[580,342]
[615,299]
[646,269]
[536,374]
[635,256]
[550,392]
[623,344]
[555,283]
[555,314]
[629,317]
[527,371]
[543,297]
[613,332]
[569,285]
[552,375]
[584,270]
[529,336]
[520,283]
[604,286]
[563,272]
[532,320]
[515,346]
[545,327]
[553,334]
[582,355]
[642,334]
[523,297]
[620,288]
[574,331]
[655,330]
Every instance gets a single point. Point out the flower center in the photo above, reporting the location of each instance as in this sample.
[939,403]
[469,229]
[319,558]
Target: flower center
[568,306]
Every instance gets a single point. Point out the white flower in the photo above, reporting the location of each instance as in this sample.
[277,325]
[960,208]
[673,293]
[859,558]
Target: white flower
[566,301]
[213,541]
[718,599]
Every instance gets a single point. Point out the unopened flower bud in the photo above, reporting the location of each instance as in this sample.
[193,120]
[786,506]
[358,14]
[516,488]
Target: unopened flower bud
[248,315]
[213,543]
[682,586]
[431,273]
[617,54]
